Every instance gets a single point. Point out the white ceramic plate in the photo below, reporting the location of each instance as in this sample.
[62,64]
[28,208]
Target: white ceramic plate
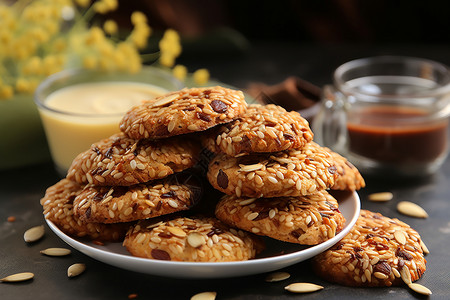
[276,256]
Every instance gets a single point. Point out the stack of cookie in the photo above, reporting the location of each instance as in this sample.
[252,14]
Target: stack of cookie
[133,186]
[276,178]
[135,175]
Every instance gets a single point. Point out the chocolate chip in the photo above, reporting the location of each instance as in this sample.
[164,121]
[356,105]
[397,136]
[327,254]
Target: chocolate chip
[288,136]
[203,117]
[165,235]
[382,267]
[222,179]
[160,254]
[403,254]
[170,194]
[219,106]
[214,231]
[297,233]
[88,213]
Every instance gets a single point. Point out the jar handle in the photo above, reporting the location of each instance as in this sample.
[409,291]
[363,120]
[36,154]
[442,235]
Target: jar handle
[330,124]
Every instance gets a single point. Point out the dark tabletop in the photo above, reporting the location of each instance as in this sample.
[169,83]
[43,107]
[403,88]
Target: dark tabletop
[21,189]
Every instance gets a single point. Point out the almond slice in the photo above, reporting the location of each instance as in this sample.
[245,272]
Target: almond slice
[56,251]
[166,100]
[75,270]
[277,276]
[411,209]
[418,288]
[381,197]
[303,287]
[204,296]
[195,240]
[34,234]
[176,231]
[18,277]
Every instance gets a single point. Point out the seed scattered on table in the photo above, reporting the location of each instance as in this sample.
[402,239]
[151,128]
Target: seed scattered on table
[11,219]
[132,296]
[411,209]
[277,276]
[75,270]
[381,197]
[56,251]
[303,287]
[418,288]
[34,234]
[18,277]
[204,296]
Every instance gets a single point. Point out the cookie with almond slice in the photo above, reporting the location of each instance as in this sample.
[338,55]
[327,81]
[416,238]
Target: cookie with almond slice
[306,220]
[261,128]
[191,239]
[378,251]
[295,172]
[115,204]
[184,111]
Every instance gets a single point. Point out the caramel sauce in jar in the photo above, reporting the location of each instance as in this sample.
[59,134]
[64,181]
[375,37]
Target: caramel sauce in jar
[396,134]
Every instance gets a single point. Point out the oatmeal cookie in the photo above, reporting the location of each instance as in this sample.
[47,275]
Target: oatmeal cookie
[348,178]
[191,239]
[378,251]
[122,161]
[306,220]
[288,173]
[58,208]
[185,111]
[142,201]
[261,128]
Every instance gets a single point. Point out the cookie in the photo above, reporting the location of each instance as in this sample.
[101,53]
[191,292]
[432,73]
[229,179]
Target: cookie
[288,173]
[122,161]
[185,111]
[307,220]
[349,178]
[191,239]
[378,251]
[58,208]
[262,128]
[142,201]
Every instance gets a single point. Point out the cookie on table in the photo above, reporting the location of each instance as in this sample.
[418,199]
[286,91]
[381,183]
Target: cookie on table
[261,128]
[184,111]
[378,251]
[142,201]
[119,160]
[349,178]
[288,173]
[58,208]
[191,239]
[306,220]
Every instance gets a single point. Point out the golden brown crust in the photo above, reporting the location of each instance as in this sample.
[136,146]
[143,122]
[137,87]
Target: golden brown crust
[288,173]
[378,251]
[348,178]
[184,111]
[119,160]
[307,220]
[261,128]
[58,208]
[191,239]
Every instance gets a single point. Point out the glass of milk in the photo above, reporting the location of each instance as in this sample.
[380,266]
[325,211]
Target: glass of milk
[81,107]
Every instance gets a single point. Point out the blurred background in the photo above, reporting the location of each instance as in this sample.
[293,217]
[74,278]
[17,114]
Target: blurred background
[285,30]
